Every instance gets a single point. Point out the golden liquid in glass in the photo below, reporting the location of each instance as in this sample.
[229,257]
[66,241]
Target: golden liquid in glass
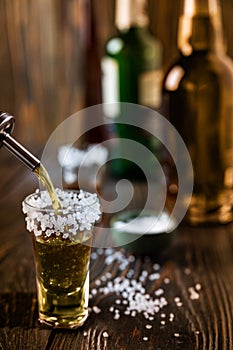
[62,281]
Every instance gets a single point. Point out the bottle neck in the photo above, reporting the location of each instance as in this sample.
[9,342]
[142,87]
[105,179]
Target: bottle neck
[200,27]
[131,13]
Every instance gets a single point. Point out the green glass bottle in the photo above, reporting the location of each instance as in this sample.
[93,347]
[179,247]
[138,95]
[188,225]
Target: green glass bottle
[132,72]
[198,100]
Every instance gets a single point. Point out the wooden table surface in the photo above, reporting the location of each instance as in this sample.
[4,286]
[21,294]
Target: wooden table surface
[190,285]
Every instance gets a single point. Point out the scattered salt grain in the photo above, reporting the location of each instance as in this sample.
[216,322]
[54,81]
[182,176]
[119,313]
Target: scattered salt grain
[176,335]
[94,256]
[100,251]
[145,338]
[154,276]
[176,299]
[96,309]
[179,304]
[156,267]
[171,317]
[148,326]
[193,294]
[133,313]
[166,280]
[85,334]
[116,316]
[144,273]
[105,334]
[159,292]
[132,289]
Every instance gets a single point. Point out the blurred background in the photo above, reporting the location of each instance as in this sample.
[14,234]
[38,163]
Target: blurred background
[50,52]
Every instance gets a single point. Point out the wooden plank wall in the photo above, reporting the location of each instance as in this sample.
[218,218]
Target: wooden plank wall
[41,55]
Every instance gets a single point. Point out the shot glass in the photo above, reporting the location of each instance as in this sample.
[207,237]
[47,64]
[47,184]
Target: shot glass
[62,244]
[83,168]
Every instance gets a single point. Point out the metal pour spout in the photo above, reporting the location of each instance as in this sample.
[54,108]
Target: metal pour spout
[6,127]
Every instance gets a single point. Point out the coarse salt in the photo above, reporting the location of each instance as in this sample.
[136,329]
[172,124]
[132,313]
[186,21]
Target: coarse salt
[80,210]
[96,309]
[193,294]
[198,286]
[148,326]
[166,280]
[131,290]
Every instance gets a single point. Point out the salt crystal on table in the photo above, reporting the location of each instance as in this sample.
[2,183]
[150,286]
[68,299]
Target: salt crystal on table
[116,316]
[96,309]
[94,255]
[193,294]
[159,292]
[171,318]
[156,266]
[148,326]
[166,280]
[176,299]
[198,286]
[154,276]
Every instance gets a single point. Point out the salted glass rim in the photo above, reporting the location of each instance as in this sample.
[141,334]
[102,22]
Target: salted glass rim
[72,207]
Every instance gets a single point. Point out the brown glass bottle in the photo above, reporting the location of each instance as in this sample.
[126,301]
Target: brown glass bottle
[198,101]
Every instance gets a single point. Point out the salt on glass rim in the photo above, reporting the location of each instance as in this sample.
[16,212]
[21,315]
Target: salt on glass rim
[41,201]
[80,210]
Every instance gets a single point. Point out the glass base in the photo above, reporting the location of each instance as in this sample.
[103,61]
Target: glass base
[66,323]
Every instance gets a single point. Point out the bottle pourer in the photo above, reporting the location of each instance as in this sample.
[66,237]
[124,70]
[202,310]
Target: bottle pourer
[6,127]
